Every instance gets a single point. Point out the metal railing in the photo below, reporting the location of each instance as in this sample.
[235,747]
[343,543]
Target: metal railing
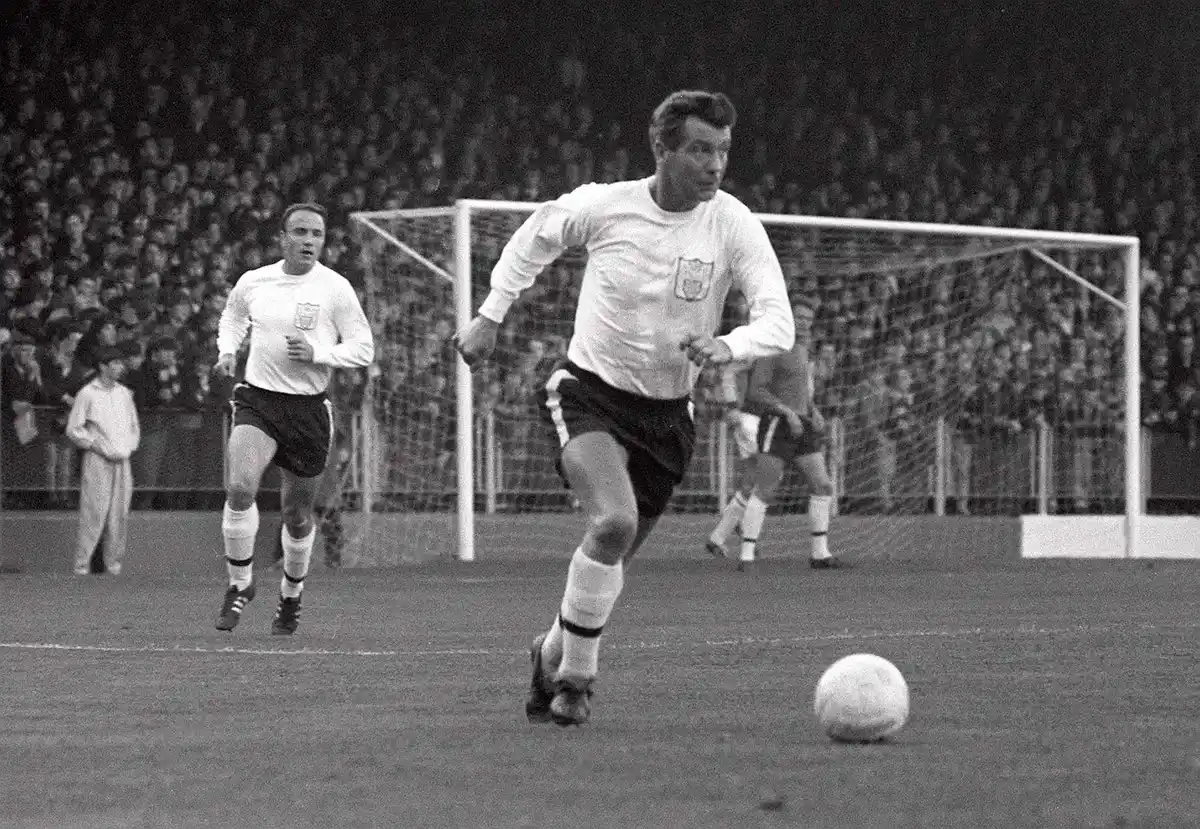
[180,464]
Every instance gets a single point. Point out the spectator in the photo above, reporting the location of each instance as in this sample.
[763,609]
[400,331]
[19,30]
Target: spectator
[103,423]
[63,377]
[139,171]
[23,386]
[157,392]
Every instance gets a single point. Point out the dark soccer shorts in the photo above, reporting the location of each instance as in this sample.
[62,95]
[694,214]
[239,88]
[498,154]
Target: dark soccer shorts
[775,438]
[659,435]
[301,425]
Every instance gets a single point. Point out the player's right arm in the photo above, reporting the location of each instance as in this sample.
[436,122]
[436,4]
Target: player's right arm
[232,327]
[541,238]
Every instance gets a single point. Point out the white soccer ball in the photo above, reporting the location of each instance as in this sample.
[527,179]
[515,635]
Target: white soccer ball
[861,698]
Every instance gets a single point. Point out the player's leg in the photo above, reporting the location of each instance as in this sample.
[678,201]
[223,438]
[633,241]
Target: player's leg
[731,514]
[94,497]
[768,473]
[298,495]
[248,454]
[589,417]
[594,465]
[745,435]
[820,503]
[305,443]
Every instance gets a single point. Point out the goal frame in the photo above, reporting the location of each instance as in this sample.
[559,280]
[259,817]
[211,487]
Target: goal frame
[463,210]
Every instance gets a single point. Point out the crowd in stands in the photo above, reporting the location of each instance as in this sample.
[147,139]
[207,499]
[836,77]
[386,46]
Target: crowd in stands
[145,160]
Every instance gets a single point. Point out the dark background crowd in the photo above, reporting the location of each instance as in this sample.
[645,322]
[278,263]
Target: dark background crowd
[145,160]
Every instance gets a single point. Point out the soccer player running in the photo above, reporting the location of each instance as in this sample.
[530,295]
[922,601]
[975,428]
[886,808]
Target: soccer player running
[663,253]
[304,320]
[791,429]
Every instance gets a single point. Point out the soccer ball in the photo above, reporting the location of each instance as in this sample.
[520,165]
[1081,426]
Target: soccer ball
[861,698]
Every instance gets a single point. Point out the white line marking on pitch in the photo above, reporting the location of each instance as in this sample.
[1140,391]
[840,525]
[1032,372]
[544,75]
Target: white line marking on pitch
[635,645]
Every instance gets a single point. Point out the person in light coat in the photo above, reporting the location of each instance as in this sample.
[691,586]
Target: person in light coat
[104,423]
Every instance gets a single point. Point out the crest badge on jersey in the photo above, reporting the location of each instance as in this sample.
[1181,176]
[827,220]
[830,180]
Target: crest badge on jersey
[693,279]
[306,315]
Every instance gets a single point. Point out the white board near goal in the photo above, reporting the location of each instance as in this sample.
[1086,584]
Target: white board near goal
[459,465]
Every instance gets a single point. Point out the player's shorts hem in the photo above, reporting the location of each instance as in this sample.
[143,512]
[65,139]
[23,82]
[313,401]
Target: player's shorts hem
[658,435]
[775,438]
[301,425]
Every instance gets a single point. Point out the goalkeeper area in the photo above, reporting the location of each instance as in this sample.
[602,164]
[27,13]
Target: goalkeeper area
[1044,694]
[950,383]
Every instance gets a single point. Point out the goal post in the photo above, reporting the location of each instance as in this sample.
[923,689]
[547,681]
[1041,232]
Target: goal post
[503,462]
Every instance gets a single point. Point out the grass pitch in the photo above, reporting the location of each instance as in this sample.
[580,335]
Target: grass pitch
[1043,695]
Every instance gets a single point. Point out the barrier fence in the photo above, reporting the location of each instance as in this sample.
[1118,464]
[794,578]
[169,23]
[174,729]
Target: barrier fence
[1068,469]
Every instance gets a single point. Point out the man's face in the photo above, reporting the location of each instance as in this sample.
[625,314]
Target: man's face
[695,168]
[302,240]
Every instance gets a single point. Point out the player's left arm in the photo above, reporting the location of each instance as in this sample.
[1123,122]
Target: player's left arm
[756,272]
[357,346]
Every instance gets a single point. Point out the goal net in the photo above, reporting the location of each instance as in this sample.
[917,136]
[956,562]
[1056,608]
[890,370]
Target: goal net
[963,372]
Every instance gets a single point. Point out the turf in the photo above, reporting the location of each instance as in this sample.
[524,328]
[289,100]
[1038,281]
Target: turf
[1043,695]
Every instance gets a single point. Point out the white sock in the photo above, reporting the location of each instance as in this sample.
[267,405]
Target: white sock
[239,527]
[592,590]
[730,516]
[296,554]
[818,519]
[752,522]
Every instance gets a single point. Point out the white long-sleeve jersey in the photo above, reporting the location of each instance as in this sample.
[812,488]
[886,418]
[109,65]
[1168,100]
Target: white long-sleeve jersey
[653,278]
[319,306]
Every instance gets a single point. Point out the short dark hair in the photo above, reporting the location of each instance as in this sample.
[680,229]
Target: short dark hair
[312,207]
[666,124]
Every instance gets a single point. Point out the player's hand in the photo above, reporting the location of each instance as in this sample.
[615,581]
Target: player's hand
[226,365]
[706,350]
[477,341]
[299,349]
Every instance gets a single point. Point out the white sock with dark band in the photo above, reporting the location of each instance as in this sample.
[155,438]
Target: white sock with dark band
[591,592]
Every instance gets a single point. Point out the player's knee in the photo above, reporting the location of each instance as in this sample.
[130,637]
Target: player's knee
[614,531]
